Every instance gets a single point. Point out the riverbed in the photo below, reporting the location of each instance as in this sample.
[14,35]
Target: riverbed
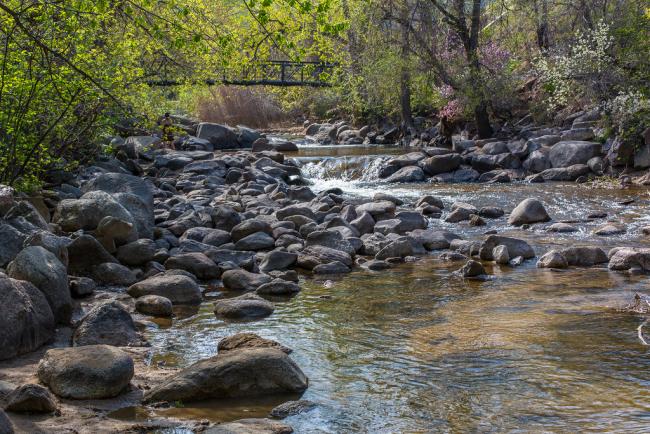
[419,349]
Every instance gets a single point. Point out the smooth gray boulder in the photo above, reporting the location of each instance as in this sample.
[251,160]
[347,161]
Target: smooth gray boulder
[12,243]
[112,274]
[26,319]
[85,253]
[242,280]
[516,247]
[177,288]
[278,287]
[40,267]
[528,211]
[552,259]
[154,305]
[277,260]
[88,372]
[196,263]
[568,153]
[249,340]
[108,323]
[137,253]
[407,174]
[584,256]
[251,426]
[243,373]
[245,307]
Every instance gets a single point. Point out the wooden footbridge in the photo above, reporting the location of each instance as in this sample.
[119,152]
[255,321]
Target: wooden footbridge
[271,73]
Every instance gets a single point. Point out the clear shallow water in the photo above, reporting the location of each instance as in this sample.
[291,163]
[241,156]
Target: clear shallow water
[416,349]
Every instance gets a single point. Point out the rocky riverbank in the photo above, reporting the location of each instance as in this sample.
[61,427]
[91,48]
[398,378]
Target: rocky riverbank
[87,263]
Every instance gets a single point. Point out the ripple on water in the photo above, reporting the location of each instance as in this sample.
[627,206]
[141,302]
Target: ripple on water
[415,349]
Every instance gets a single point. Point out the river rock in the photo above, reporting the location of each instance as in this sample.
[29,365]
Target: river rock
[609,229]
[251,426]
[624,258]
[137,253]
[40,267]
[490,212]
[85,253]
[501,255]
[433,239]
[154,305]
[552,259]
[246,372]
[538,161]
[364,224]
[256,241]
[407,174]
[81,286]
[242,280]
[396,249]
[88,211]
[472,269]
[110,273]
[247,306]
[278,287]
[54,244]
[441,164]
[31,398]
[334,267]
[516,247]
[249,340]
[196,263]
[292,408]
[528,211]
[88,372]
[12,243]
[107,323]
[26,319]
[177,288]
[584,256]
[277,260]
[377,209]
[562,228]
[249,227]
[568,153]
[6,427]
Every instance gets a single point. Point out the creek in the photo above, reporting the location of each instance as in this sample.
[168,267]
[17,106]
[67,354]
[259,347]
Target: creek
[418,349]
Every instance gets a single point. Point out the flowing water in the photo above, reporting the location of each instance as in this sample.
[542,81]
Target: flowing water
[417,349]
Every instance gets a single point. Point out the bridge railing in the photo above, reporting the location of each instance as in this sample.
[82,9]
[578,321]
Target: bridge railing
[270,73]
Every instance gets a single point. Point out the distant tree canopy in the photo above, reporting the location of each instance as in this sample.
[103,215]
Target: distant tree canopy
[70,69]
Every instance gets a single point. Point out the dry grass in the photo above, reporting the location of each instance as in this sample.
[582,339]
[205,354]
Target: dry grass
[234,105]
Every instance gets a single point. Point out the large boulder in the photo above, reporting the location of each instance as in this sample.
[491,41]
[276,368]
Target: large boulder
[137,253]
[516,247]
[441,164]
[177,288]
[113,183]
[12,243]
[221,136]
[568,153]
[244,307]
[44,270]
[196,263]
[552,259]
[528,211]
[87,212]
[584,256]
[242,280]
[85,253]
[88,372]
[244,373]
[107,323]
[26,319]
[407,174]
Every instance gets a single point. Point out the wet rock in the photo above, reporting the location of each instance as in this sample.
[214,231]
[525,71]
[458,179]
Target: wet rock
[88,372]
[396,249]
[40,267]
[108,323]
[26,319]
[196,263]
[562,228]
[501,255]
[380,196]
[552,259]
[376,265]
[249,340]
[277,260]
[246,372]
[242,280]
[460,212]
[81,286]
[475,220]
[584,256]
[570,173]
[331,239]
[491,212]
[278,287]
[433,239]
[292,408]
[31,398]
[326,254]
[110,273]
[472,269]
[624,258]
[430,200]
[516,247]
[441,164]
[251,426]
[154,305]
[609,230]
[528,211]
[460,175]
[335,267]
[407,174]
[177,288]
[137,253]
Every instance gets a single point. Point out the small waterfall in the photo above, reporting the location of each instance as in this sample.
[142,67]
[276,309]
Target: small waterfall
[342,169]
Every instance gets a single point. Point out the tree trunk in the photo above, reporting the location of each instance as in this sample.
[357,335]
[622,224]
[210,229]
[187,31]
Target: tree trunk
[405,75]
[482,119]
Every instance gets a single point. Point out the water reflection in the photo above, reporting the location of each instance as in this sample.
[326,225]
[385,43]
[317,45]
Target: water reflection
[417,349]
